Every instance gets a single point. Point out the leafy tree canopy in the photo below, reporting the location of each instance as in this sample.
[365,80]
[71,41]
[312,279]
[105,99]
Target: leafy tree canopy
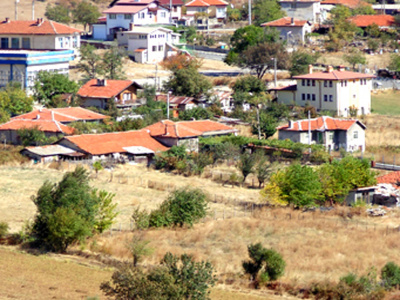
[266,11]
[355,58]
[85,13]
[14,101]
[59,13]
[300,60]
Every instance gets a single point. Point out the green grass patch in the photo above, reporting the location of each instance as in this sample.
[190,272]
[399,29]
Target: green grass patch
[386,103]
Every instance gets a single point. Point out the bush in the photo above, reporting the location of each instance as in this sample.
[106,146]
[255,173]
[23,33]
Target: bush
[390,274]
[3,229]
[141,219]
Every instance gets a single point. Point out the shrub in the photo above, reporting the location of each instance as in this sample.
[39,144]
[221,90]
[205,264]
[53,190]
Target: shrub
[3,229]
[390,274]
[141,219]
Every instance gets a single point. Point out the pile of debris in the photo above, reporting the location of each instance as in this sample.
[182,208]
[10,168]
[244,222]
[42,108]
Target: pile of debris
[386,195]
[376,212]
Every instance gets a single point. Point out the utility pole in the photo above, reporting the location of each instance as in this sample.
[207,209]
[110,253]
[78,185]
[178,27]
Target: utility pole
[169,92]
[33,10]
[16,9]
[249,12]
[309,132]
[258,123]
[170,11]
[155,78]
[275,67]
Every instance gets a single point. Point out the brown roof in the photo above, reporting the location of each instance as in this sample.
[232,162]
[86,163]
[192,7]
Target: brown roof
[366,20]
[167,128]
[349,3]
[334,75]
[115,142]
[63,115]
[42,125]
[112,88]
[320,124]
[285,22]
[35,28]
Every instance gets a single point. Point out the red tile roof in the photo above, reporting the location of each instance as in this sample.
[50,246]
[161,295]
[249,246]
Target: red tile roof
[112,88]
[285,22]
[292,87]
[392,178]
[33,28]
[321,124]
[167,128]
[174,2]
[349,3]
[175,100]
[42,125]
[125,9]
[134,2]
[63,115]
[299,1]
[115,142]
[334,75]
[366,20]
[206,3]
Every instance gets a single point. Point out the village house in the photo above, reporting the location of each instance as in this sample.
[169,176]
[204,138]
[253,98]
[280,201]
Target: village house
[308,10]
[178,103]
[363,21]
[101,92]
[187,133]
[215,9]
[149,44]
[334,134]
[127,13]
[175,7]
[292,30]
[342,92]
[327,5]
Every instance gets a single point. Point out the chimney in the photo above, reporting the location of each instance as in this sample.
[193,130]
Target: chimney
[39,21]
[342,68]
[101,82]
[310,69]
[329,69]
[37,117]
[290,123]
[131,25]
[7,20]
[52,115]
[292,21]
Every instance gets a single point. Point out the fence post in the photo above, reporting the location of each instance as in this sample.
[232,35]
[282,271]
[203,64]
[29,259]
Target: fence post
[252,209]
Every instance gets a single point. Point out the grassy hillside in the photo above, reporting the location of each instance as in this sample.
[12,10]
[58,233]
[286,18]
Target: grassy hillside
[386,103]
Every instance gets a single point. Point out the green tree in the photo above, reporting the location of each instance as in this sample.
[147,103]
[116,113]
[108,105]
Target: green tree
[234,14]
[263,168]
[67,211]
[197,113]
[373,44]
[90,64]
[390,275]
[246,165]
[266,11]
[14,101]
[139,247]
[113,63]
[300,60]
[249,84]
[49,85]
[355,58]
[394,63]
[105,210]
[31,136]
[58,13]
[85,13]
[373,31]
[340,12]
[268,124]
[264,264]
[188,82]
[363,10]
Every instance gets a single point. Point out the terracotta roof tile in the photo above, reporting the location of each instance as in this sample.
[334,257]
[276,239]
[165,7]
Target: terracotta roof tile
[285,22]
[32,28]
[167,128]
[206,3]
[392,178]
[42,125]
[366,20]
[334,75]
[292,87]
[175,100]
[349,3]
[63,115]
[321,124]
[101,144]
[174,2]
[111,89]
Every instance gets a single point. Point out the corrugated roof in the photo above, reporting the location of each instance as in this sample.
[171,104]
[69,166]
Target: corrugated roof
[35,28]
[50,150]
[367,20]
[115,142]
[42,125]
[175,100]
[320,124]
[167,128]
[335,75]
[112,88]
[285,22]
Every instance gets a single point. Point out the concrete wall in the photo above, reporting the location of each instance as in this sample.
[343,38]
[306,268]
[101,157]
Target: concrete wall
[90,102]
[355,138]
[286,97]
[309,11]
[99,32]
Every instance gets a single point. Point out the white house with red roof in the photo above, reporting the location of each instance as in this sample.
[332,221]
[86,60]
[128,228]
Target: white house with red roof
[187,133]
[308,10]
[339,91]
[363,21]
[101,92]
[214,8]
[125,14]
[175,7]
[334,134]
[291,29]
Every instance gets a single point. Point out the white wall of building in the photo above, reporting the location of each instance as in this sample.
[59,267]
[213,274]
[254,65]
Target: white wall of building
[310,11]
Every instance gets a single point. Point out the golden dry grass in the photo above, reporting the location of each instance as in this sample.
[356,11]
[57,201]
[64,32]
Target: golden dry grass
[336,59]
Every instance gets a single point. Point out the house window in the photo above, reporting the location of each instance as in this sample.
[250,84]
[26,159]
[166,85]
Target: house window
[75,42]
[325,98]
[112,16]
[308,82]
[61,42]
[330,83]
[160,48]
[303,82]
[15,43]
[293,5]
[163,14]
[142,15]
[127,96]
[345,83]
[331,136]
[4,43]
[330,98]
[355,135]
[341,83]
[313,97]
[313,82]
[127,16]
[26,43]
[303,97]
[154,48]
[325,83]
[308,97]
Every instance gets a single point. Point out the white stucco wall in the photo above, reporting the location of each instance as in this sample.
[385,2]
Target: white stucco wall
[99,32]
[309,11]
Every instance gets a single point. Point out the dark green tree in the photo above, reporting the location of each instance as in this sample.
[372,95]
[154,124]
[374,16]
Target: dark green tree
[394,63]
[355,58]
[90,64]
[67,212]
[197,113]
[266,11]
[268,124]
[49,85]
[85,13]
[246,165]
[14,101]
[264,264]
[31,136]
[113,60]
[188,82]
[59,13]
[390,275]
[299,62]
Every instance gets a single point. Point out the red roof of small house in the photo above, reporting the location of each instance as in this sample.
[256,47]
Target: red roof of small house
[320,124]
[285,22]
[125,9]
[63,115]
[42,125]
[112,88]
[206,3]
[167,128]
[140,49]
[38,27]
[334,75]
[300,1]
[174,2]
[133,2]
[175,100]
[366,20]
[115,142]
[349,3]
[392,178]
[292,87]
